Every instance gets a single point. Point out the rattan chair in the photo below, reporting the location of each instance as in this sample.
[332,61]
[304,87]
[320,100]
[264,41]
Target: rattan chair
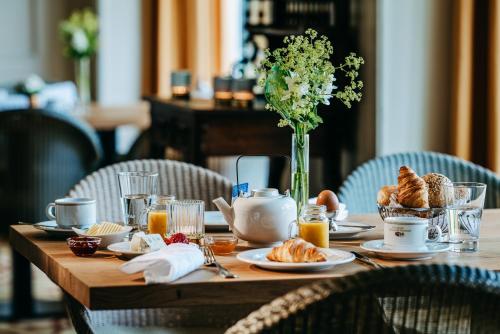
[411,299]
[183,180]
[359,190]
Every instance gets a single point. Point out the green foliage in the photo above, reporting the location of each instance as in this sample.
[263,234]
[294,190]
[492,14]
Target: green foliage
[299,76]
[80,34]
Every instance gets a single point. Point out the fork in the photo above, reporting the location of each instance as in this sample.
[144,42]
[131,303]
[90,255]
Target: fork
[211,261]
[367,260]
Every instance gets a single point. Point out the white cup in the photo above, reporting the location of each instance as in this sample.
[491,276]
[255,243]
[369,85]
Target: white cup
[72,212]
[408,233]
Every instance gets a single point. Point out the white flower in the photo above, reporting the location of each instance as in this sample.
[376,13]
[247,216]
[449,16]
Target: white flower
[79,41]
[303,89]
[33,84]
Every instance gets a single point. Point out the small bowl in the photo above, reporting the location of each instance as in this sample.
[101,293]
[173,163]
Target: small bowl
[106,239]
[84,246]
[221,244]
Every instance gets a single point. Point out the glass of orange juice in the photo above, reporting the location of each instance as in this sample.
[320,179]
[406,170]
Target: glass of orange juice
[314,226]
[158,215]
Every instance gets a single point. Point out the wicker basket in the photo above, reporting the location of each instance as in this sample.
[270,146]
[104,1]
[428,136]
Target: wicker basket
[436,216]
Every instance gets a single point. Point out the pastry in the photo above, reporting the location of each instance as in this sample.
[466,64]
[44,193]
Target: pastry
[384,195]
[296,250]
[412,189]
[436,184]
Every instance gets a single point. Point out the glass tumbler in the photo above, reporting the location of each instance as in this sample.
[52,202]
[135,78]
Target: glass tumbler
[187,217]
[158,214]
[464,206]
[136,192]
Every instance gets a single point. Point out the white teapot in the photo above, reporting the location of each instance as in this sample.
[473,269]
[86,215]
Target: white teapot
[263,219]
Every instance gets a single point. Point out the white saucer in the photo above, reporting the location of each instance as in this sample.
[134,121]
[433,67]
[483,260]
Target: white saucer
[123,248]
[345,232]
[378,247]
[258,258]
[52,228]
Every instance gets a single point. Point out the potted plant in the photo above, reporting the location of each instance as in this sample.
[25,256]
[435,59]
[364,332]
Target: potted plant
[298,77]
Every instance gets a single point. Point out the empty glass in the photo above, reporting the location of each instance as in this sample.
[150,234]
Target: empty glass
[187,216]
[136,191]
[464,204]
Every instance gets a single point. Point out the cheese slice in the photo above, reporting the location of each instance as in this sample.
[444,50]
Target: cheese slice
[145,243]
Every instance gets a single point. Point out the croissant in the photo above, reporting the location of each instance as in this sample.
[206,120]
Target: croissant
[412,189]
[384,195]
[296,250]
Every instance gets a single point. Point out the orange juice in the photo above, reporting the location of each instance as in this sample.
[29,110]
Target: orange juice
[315,232]
[157,222]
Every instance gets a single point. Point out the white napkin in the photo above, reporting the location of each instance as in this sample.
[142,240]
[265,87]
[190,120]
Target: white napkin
[166,265]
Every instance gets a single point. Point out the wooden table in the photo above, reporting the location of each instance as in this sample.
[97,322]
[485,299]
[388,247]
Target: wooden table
[98,283]
[106,119]
[200,128]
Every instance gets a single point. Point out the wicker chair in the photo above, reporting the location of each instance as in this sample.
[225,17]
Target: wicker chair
[411,299]
[359,190]
[184,181]
[178,178]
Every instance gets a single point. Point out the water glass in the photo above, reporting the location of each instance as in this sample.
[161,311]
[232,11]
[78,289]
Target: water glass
[187,216]
[464,205]
[136,192]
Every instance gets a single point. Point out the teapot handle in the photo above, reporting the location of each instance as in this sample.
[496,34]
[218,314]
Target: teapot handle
[257,155]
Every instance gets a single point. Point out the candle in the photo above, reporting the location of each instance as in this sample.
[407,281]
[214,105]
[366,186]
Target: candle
[180,82]
[222,89]
[242,92]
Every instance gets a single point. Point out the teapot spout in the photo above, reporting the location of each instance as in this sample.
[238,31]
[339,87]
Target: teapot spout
[226,209]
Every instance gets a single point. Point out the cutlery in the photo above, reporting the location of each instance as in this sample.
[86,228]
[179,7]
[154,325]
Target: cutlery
[367,260]
[211,261]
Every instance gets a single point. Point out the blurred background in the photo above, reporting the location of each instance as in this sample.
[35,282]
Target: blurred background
[431,83]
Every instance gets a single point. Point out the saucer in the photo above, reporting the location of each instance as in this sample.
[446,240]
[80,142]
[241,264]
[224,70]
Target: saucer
[383,251]
[53,229]
[346,232]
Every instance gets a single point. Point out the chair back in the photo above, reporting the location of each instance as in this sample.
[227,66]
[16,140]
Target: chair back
[43,153]
[185,181]
[403,299]
[359,190]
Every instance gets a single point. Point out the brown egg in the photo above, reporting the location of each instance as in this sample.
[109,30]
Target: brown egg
[329,199]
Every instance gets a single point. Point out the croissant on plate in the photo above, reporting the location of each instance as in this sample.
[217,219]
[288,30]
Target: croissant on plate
[412,189]
[296,250]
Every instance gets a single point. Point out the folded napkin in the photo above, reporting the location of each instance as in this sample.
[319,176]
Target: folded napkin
[166,265]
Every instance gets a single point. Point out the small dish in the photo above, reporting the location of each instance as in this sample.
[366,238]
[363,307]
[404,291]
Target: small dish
[83,246]
[53,229]
[123,249]
[349,230]
[222,244]
[106,239]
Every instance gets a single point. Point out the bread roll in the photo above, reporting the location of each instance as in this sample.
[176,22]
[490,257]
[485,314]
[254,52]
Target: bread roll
[436,184]
[412,189]
[384,195]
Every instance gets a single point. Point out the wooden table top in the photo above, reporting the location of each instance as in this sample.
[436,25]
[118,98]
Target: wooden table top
[104,118]
[97,282]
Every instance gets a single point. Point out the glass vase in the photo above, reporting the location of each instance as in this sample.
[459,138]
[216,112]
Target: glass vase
[82,76]
[300,169]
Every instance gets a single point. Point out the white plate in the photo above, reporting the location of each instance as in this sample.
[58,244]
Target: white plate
[378,247]
[214,221]
[345,232]
[258,258]
[123,248]
[106,239]
[52,228]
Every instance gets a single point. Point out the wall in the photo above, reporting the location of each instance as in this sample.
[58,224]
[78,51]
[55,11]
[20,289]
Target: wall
[119,57]
[413,89]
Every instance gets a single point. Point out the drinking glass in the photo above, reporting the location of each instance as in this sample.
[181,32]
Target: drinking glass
[187,217]
[464,204]
[136,192]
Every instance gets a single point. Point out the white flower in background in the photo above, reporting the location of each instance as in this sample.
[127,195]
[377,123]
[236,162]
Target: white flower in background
[33,84]
[79,41]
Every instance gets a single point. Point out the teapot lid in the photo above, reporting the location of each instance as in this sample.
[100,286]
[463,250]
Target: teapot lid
[265,192]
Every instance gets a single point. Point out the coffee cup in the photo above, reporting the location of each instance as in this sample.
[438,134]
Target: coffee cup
[72,212]
[408,233]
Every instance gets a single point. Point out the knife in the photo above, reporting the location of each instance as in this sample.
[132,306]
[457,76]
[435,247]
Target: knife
[367,260]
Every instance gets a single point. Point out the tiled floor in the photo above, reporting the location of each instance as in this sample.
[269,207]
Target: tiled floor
[43,289]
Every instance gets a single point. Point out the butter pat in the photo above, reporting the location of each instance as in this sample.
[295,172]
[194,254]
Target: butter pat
[145,243]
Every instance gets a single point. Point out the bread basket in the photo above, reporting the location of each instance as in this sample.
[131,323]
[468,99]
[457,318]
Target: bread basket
[436,216]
